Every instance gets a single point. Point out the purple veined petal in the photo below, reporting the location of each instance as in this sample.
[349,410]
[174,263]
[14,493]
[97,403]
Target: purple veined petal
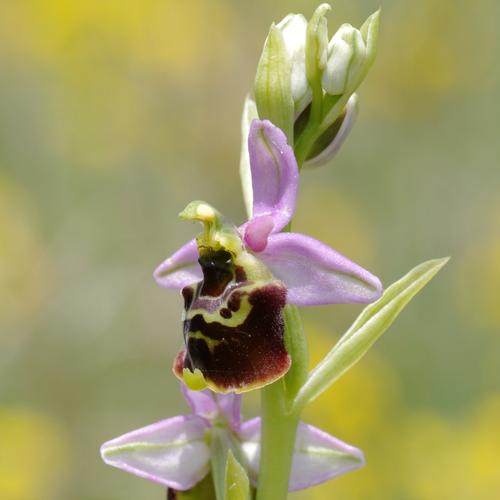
[209,405]
[275,174]
[180,269]
[256,232]
[318,456]
[315,274]
[172,452]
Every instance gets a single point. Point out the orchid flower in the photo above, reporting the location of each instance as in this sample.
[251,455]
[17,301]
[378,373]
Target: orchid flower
[236,281]
[176,452]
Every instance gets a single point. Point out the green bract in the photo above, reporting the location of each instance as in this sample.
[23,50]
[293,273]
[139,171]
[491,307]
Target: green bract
[237,486]
[273,90]
[370,325]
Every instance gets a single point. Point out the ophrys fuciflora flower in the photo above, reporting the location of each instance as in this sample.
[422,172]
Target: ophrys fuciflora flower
[237,281]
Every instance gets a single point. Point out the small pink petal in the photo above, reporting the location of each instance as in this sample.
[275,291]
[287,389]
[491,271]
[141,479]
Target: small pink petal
[256,232]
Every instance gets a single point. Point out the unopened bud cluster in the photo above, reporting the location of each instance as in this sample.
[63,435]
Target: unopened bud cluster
[306,81]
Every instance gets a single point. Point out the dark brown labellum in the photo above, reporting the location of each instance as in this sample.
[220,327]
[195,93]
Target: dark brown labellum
[233,330]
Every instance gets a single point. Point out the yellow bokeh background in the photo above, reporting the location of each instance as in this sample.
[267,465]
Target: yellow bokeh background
[114,114]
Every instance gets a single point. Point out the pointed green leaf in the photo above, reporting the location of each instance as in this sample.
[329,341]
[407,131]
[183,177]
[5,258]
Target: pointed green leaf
[236,485]
[273,86]
[368,327]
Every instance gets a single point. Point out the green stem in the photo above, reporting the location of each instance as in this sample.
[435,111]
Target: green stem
[279,424]
[277,443]
[305,143]
[333,106]
[309,135]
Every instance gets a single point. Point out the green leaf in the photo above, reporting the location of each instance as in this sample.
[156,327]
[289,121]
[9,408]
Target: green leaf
[236,486]
[368,327]
[249,114]
[273,86]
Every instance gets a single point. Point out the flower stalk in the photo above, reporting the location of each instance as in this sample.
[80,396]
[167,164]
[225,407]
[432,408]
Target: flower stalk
[278,439]
[279,419]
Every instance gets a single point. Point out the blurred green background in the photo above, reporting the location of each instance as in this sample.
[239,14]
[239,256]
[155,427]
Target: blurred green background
[116,113]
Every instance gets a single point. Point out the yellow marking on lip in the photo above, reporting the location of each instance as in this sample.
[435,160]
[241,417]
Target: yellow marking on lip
[194,380]
[211,343]
[237,317]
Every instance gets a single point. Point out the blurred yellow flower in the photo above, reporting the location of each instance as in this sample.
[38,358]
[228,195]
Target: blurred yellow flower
[173,35]
[430,452]
[33,457]
[101,67]
[456,459]
[482,449]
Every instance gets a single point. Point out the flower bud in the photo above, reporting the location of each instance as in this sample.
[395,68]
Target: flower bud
[350,54]
[317,44]
[293,28]
[345,57]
